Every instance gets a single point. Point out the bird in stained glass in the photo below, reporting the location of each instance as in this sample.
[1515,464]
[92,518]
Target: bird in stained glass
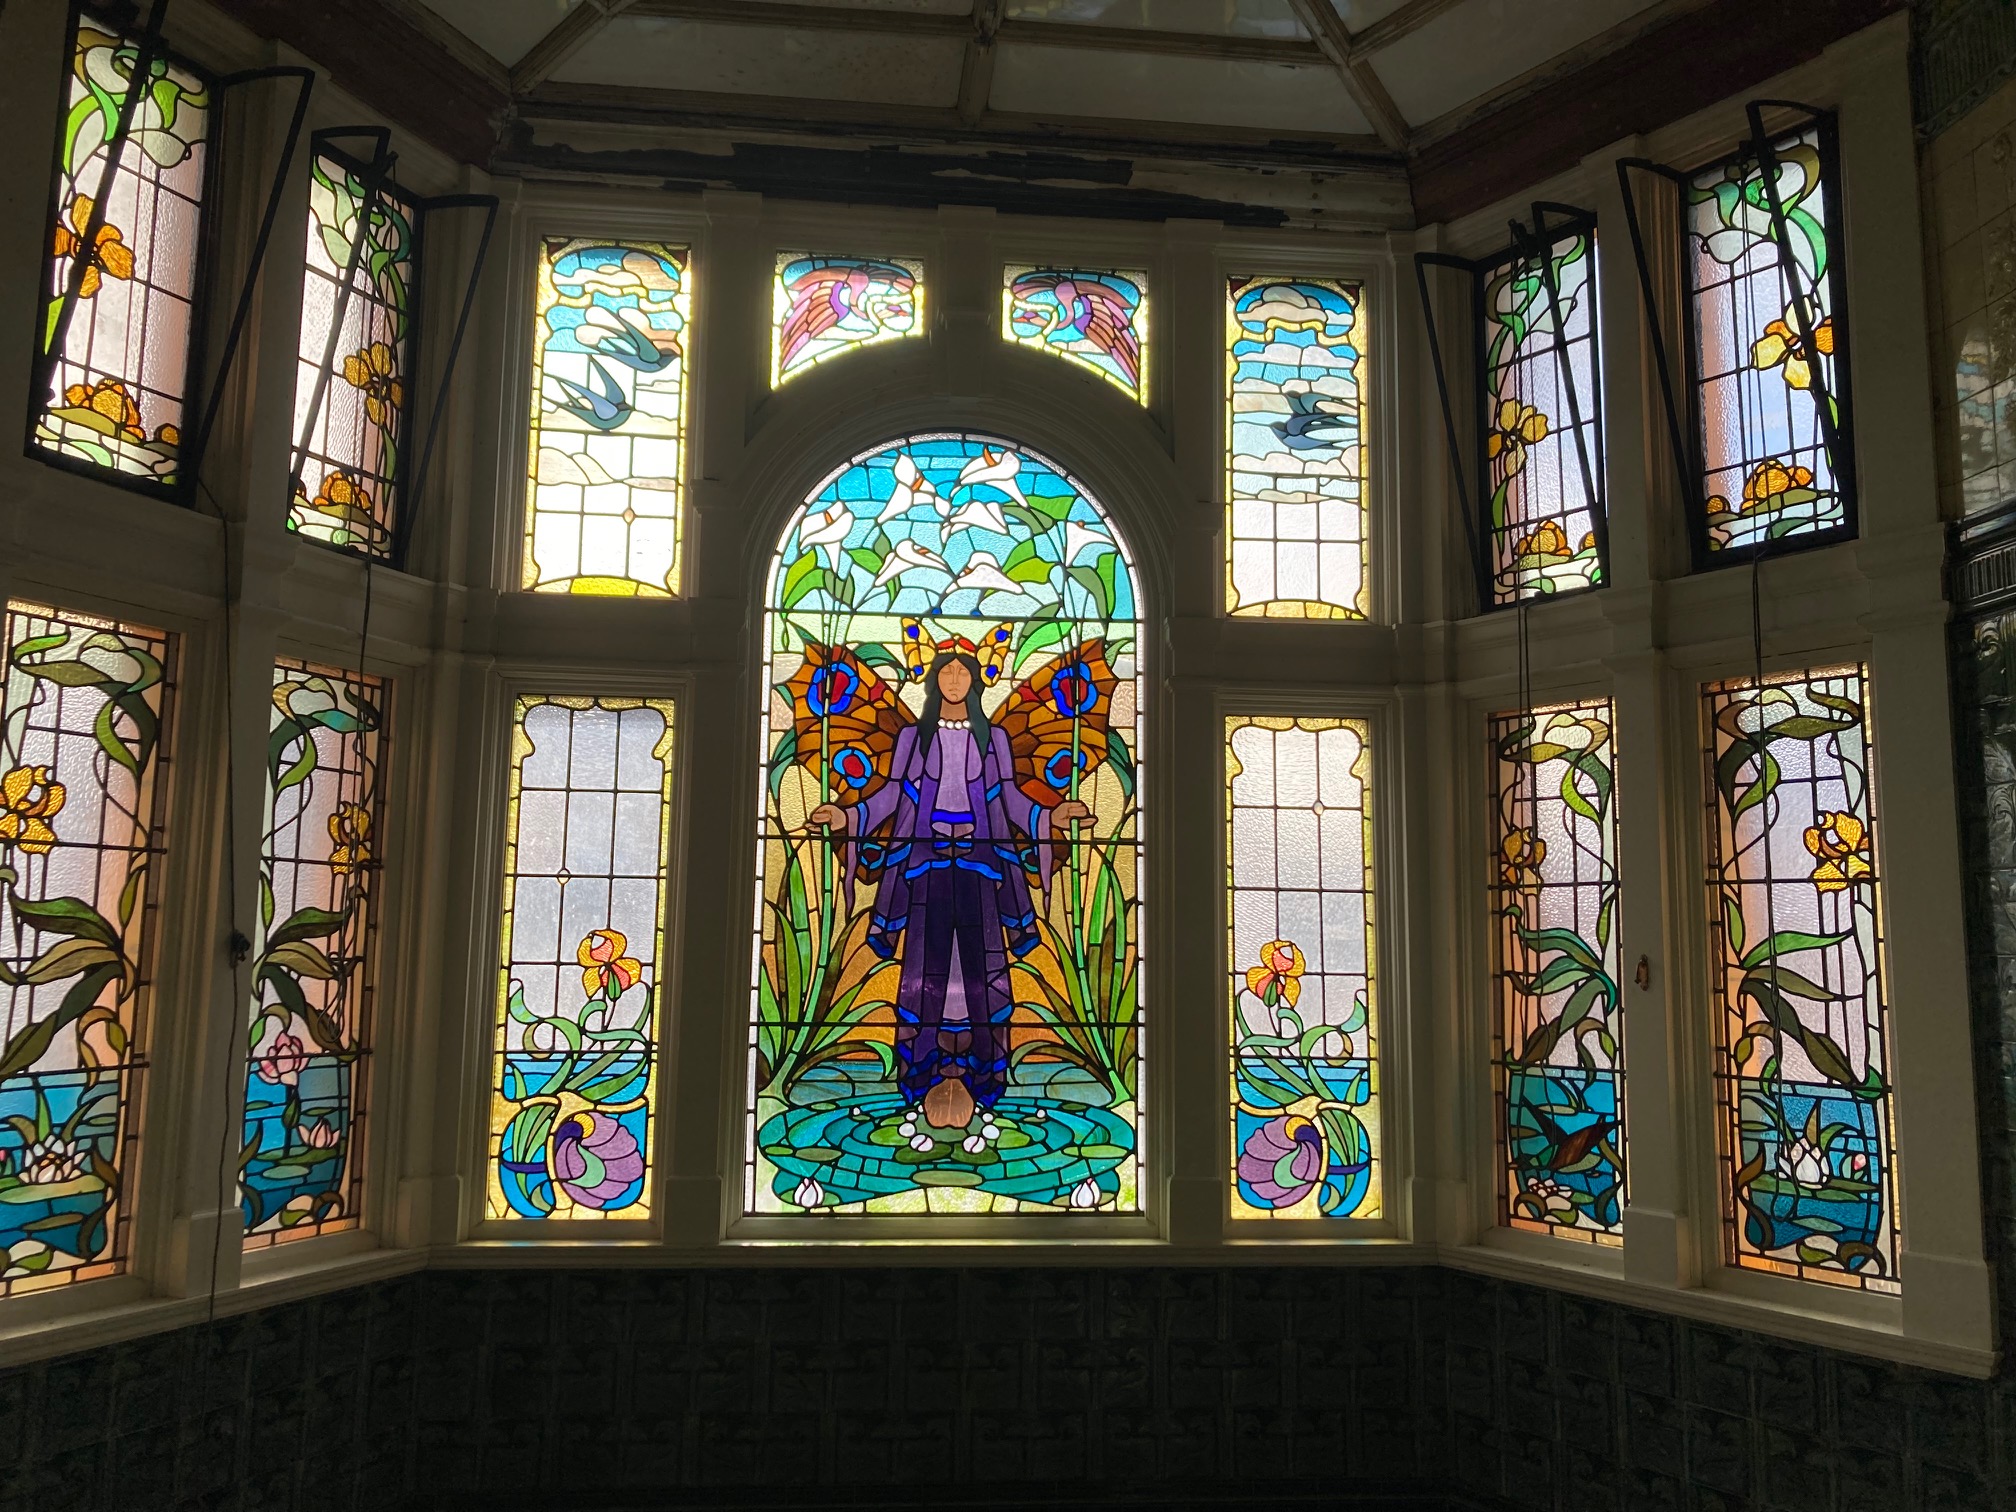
[864,297]
[626,336]
[1310,425]
[1565,1149]
[1068,308]
[601,406]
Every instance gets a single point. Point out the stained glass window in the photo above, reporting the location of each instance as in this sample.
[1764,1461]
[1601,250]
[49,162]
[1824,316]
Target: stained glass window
[83,720]
[309,1047]
[1769,382]
[1559,1028]
[1804,1066]
[608,418]
[947,997]
[116,374]
[1296,452]
[1543,429]
[823,306]
[586,859]
[1096,319]
[351,452]
[1305,1071]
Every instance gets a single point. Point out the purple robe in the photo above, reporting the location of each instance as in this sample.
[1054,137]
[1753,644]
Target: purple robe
[954,898]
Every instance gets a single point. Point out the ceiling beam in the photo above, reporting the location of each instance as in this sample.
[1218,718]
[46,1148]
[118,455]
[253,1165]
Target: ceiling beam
[1364,86]
[917,24]
[391,66]
[1394,25]
[976,66]
[1732,45]
[742,115]
[561,43]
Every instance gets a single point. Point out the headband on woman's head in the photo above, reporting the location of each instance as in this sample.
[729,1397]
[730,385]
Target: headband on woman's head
[919,650]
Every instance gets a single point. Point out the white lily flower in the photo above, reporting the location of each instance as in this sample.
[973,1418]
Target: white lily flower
[979,514]
[983,571]
[906,557]
[1077,537]
[828,528]
[996,469]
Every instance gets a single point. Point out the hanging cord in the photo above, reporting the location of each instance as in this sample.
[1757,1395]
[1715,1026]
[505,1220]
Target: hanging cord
[237,945]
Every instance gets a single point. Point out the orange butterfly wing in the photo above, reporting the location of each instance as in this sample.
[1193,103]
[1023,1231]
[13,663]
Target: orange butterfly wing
[1043,733]
[846,717]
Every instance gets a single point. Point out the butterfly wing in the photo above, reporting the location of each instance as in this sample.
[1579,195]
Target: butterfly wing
[1060,710]
[845,719]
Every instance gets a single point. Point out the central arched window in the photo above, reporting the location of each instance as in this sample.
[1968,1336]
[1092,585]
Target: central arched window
[948,955]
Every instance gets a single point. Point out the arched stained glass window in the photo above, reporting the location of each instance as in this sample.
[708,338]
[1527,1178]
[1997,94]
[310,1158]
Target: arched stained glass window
[948,946]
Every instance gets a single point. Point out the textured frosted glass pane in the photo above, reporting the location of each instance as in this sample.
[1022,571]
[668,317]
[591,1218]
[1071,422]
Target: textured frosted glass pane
[1305,1106]
[579,991]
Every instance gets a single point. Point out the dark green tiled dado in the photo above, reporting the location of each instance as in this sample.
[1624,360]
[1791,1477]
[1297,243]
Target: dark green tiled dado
[1165,1387]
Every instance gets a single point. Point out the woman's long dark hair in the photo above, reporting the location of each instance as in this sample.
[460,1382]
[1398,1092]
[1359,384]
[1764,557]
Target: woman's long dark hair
[976,717]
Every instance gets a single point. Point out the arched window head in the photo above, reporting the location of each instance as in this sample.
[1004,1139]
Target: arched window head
[947,982]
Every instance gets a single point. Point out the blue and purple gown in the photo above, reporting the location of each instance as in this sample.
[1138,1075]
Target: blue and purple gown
[954,898]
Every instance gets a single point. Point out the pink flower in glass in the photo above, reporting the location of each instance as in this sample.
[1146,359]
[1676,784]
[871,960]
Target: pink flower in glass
[283,1061]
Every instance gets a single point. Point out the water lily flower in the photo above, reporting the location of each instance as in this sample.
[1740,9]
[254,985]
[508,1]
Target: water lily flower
[350,832]
[922,1142]
[1521,853]
[1801,1162]
[1839,843]
[973,1144]
[1277,979]
[809,1194]
[1518,427]
[1547,544]
[321,1135]
[1086,1195]
[595,1158]
[1282,1160]
[603,961]
[1781,344]
[113,401]
[375,370]
[1553,1198]
[109,256]
[30,796]
[282,1062]
[50,1160]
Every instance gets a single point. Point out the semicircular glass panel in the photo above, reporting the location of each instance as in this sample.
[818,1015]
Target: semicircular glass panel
[947,974]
